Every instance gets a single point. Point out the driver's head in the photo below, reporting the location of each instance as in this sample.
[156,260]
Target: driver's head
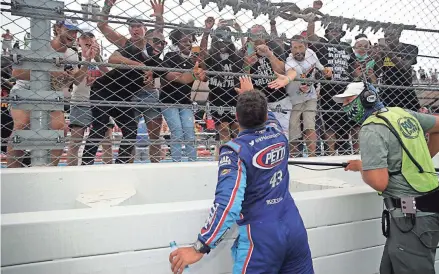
[334,32]
[251,109]
[136,28]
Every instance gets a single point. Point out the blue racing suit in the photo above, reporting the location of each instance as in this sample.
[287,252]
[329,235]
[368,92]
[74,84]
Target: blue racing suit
[253,191]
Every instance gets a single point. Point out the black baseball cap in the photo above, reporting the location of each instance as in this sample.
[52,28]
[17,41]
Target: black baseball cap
[337,27]
[134,20]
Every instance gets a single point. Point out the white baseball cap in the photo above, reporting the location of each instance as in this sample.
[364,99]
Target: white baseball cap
[353,89]
[70,24]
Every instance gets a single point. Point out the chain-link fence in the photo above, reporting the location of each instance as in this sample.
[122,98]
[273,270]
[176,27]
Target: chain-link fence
[90,81]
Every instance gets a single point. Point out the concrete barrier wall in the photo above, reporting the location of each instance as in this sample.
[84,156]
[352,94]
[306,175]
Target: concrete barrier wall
[45,235]
[343,227]
[57,188]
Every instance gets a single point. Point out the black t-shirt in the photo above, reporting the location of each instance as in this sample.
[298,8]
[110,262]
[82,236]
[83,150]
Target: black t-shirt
[341,58]
[222,88]
[174,92]
[395,76]
[391,75]
[263,67]
[126,82]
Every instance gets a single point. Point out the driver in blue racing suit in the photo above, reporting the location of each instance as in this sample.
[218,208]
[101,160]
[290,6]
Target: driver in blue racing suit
[253,191]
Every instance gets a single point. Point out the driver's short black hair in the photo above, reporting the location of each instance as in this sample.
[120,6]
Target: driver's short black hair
[252,109]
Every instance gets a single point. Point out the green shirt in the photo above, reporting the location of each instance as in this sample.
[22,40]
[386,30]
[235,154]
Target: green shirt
[380,149]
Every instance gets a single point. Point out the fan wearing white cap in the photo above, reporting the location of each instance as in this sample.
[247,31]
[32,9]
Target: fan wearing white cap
[397,162]
[65,33]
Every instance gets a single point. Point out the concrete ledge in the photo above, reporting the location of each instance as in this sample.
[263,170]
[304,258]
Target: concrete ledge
[41,236]
[57,188]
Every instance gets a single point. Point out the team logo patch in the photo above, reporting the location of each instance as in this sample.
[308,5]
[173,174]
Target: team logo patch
[270,157]
[225,160]
[225,172]
[408,127]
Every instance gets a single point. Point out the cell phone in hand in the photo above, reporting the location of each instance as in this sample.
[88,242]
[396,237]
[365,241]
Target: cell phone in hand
[68,67]
[250,48]
[229,22]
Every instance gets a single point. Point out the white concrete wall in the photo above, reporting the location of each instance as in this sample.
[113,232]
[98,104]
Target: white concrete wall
[343,227]
[57,188]
[343,224]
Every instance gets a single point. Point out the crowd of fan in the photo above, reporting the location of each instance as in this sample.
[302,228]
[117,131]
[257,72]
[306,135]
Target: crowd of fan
[313,116]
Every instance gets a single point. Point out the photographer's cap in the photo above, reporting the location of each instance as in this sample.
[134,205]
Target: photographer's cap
[353,89]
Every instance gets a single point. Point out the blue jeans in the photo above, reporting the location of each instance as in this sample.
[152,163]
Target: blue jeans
[181,125]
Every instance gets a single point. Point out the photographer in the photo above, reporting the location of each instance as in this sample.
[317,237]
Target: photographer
[397,162]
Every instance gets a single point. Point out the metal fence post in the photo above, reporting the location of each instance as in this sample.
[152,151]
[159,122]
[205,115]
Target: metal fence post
[39,80]
[40,139]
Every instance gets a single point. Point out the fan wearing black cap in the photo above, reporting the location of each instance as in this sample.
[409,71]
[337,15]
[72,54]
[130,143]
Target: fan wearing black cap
[397,162]
[398,59]
[340,58]
[222,57]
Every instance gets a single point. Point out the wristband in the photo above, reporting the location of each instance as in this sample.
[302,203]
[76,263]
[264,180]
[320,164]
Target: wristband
[193,76]
[289,79]
[247,68]
[106,9]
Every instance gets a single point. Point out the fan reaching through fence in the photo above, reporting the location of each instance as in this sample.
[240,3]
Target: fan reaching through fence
[93,73]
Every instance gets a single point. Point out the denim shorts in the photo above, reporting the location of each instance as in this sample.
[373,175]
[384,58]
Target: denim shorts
[146,96]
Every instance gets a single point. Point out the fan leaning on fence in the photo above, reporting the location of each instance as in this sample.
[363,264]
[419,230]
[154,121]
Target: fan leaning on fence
[223,57]
[80,116]
[131,84]
[65,33]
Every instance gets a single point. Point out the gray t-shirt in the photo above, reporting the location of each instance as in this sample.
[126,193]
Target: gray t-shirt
[380,149]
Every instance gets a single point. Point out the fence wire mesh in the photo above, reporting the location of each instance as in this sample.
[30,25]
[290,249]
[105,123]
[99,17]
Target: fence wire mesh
[89,81]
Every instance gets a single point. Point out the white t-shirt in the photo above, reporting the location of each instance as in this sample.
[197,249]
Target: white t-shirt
[69,55]
[305,70]
[82,91]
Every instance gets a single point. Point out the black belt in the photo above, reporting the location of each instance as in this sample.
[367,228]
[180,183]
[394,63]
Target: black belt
[425,203]
[407,204]
[392,203]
